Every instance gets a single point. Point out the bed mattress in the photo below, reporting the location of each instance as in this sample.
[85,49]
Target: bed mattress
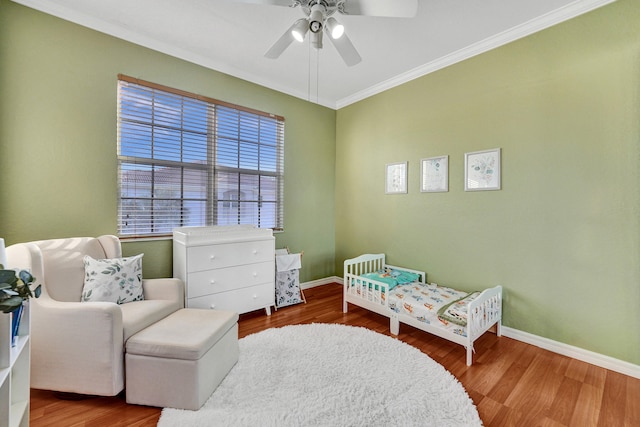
[422,302]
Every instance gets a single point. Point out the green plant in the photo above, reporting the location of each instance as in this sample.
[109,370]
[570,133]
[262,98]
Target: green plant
[15,288]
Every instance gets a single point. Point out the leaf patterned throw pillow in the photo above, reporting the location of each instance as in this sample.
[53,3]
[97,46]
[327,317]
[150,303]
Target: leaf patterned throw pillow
[116,280]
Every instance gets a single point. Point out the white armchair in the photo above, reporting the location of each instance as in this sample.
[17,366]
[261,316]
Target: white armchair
[78,347]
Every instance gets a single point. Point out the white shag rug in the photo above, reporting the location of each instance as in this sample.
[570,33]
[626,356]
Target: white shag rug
[331,375]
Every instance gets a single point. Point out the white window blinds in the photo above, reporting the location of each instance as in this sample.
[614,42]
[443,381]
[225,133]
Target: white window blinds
[188,160]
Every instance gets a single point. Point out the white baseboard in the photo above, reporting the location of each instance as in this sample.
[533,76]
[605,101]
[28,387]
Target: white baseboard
[577,353]
[320,282]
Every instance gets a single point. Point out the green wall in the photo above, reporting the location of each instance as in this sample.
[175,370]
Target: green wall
[563,104]
[58,138]
[562,236]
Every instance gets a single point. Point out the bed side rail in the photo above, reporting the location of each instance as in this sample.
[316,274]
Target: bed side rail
[366,289]
[360,288]
[484,311]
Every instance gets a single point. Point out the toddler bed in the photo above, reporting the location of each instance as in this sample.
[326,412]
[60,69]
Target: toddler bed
[402,295]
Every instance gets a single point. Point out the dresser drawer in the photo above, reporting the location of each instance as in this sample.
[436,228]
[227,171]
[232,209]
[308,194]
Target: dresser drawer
[202,258]
[241,300]
[229,278]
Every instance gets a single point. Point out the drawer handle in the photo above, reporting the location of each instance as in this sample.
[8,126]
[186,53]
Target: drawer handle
[212,257]
[255,274]
[213,281]
[255,296]
[212,306]
[255,251]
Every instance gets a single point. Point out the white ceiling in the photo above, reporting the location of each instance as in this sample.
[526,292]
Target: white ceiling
[232,37]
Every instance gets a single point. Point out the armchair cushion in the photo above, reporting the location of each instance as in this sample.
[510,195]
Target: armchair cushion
[61,268]
[116,280]
[138,315]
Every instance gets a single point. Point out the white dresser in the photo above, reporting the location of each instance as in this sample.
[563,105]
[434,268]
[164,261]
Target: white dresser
[226,267]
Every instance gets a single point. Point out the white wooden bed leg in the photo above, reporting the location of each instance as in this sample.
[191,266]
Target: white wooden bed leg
[469,355]
[394,325]
[344,307]
[499,328]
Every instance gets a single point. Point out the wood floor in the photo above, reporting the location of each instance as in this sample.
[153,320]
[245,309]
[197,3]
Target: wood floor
[511,383]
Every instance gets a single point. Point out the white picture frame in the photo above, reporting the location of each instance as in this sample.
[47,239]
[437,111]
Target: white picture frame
[396,178]
[434,174]
[482,170]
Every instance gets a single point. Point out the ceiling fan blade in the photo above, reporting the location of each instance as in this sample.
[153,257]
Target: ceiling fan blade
[346,49]
[290,3]
[281,44]
[390,8]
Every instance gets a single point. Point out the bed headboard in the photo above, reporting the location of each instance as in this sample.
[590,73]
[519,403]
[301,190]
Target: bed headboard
[363,264]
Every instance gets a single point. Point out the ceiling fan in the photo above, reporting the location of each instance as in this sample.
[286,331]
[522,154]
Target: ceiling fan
[319,18]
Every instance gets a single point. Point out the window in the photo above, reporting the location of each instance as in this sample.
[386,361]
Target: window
[188,160]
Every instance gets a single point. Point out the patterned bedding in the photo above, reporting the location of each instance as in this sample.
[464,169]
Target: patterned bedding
[423,302]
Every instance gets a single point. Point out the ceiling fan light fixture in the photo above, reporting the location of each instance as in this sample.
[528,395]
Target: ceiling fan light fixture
[300,29]
[316,40]
[335,28]
[316,18]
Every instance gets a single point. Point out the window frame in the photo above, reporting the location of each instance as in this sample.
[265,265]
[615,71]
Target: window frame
[213,200]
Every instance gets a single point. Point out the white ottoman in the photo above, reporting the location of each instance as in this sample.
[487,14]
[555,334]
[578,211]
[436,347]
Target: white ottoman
[179,361]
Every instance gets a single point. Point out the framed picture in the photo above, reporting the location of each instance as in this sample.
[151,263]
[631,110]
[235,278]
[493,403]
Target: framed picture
[396,178]
[482,170]
[434,173]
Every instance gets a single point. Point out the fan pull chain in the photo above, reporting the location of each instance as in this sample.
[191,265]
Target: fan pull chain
[309,70]
[317,75]
[317,72]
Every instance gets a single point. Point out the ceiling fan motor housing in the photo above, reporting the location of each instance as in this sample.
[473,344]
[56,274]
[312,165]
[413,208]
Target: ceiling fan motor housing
[328,7]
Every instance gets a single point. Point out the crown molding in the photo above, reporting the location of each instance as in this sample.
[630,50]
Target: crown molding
[560,15]
[133,37]
[563,14]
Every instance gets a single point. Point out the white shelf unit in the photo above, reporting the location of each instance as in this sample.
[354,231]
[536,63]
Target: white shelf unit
[14,371]
[226,267]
